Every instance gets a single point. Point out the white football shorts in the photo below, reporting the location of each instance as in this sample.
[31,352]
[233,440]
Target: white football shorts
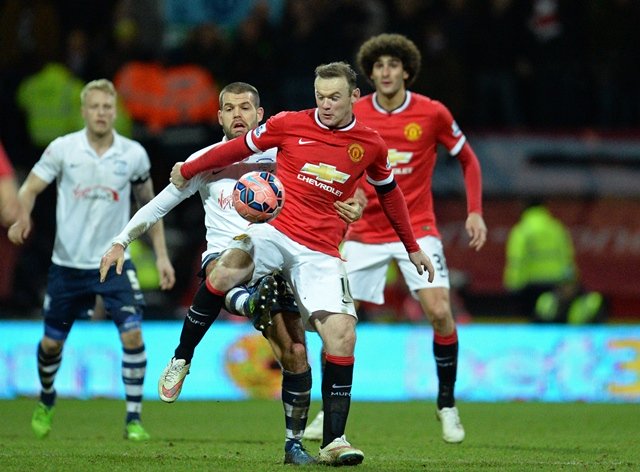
[367,266]
[319,281]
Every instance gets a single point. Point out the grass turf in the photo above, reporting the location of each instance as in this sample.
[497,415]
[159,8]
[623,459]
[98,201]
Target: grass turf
[248,436]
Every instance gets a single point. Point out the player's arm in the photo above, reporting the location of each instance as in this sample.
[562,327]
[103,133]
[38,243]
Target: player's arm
[220,156]
[29,191]
[474,225]
[395,208]
[143,192]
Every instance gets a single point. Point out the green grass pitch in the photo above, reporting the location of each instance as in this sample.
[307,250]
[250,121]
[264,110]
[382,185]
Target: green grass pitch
[248,436]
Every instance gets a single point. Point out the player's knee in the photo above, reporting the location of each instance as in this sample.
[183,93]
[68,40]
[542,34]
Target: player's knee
[295,359]
[131,339]
[51,346]
[440,312]
[299,352]
[345,338]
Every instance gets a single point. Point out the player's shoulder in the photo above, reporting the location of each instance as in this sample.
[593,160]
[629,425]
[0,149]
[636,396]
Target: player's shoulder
[370,135]
[128,144]
[428,103]
[65,144]
[293,116]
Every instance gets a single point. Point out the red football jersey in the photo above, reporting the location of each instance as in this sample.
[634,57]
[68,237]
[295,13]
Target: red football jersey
[412,133]
[317,166]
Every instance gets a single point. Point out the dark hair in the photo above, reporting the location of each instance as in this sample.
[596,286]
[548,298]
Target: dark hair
[241,87]
[394,45]
[338,69]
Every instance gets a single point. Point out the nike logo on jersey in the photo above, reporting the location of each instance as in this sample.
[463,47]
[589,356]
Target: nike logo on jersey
[304,141]
[341,386]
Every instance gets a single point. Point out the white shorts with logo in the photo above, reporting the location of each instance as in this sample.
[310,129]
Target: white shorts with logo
[319,281]
[367,266]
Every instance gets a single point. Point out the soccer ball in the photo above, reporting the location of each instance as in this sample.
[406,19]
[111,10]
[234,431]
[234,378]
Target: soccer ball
[258,196]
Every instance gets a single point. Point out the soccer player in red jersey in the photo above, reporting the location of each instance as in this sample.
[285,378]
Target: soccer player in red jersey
[322,155]
[413,126]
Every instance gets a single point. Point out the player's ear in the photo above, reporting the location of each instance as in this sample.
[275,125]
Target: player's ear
[260,114]
[355,95]
[220,117]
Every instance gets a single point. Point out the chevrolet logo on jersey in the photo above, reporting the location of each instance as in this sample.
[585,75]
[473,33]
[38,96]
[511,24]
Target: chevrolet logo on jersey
[396,157]
[325,173]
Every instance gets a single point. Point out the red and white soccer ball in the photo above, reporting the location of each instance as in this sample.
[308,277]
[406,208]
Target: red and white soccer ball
[258,196]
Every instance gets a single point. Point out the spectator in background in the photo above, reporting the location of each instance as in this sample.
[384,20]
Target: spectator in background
[542,272]
[539,256]
[97,172]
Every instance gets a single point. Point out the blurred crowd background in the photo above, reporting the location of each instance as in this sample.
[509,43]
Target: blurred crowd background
[503,67]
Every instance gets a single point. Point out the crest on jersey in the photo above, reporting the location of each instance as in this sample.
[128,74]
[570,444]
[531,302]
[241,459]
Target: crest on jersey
[325,173]
[356,152]
[259,130]
[412,131]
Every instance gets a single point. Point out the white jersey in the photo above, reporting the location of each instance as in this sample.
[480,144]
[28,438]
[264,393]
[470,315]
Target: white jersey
[93,194]
[215,187]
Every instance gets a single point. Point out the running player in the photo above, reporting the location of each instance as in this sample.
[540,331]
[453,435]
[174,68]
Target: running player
[322,154]
[96,171]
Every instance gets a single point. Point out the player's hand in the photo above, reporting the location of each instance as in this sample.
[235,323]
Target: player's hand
[422,263]
[20,231]
[477,230]
[176,177]
[350,210]
[166,272]
[115,255]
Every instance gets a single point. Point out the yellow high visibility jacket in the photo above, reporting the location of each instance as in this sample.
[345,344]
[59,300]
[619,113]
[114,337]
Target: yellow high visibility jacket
[539,250]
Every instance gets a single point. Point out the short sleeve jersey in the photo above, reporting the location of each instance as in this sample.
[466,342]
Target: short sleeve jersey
[318,166]
[93,194]
[412,132]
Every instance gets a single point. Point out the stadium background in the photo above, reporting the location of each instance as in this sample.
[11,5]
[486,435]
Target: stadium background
[545,90]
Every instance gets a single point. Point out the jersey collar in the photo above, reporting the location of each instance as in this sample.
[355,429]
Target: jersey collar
[347,127]
[117,147]
[403,106]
